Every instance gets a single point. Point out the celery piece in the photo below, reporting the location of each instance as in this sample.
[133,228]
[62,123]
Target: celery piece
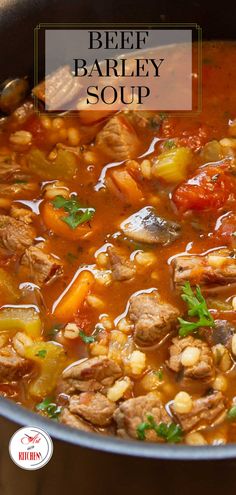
[63,167]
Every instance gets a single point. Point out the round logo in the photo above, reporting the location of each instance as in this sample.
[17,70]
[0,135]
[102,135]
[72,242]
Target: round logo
[30,448]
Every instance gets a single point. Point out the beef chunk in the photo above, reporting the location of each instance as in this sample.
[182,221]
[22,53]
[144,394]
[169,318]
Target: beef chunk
[203,369]
[12,366]
[90,375]
[118,139]
[206,411]
[122,268]
[145,226]
[222,333]
[218,267]
[15,236]
[93,407]
[69,419]
[134,411]
[44,267]
[152,318]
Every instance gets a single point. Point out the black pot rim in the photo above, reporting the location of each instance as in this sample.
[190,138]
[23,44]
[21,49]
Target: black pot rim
[113,445]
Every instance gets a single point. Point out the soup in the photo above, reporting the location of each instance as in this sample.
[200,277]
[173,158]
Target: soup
[118,266]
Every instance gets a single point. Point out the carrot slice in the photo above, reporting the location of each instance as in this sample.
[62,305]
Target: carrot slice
[73,297]
[52,218]
[89,117]
[120,183]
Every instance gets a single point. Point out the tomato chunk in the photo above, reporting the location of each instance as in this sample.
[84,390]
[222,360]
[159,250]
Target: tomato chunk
[208,189]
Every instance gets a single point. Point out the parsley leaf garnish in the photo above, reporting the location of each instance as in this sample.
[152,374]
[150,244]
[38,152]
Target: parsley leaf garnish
[50,408]
[172,432]
[197,307]
[42,353]
[77,214]
[87,339]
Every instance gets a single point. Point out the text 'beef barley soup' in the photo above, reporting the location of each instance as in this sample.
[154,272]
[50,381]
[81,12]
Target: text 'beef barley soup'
[118,266]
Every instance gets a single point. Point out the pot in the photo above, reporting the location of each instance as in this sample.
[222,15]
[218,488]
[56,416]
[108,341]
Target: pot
[87,463]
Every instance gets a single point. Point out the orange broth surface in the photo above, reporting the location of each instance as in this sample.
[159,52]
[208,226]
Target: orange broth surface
[198,232]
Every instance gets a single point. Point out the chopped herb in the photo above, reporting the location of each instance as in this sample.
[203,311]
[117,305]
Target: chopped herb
[19,181]
[61,202]
[50,408]
[42,353]
[172,432]
[77,213]
[75,220]
[141,430]
[159,374]
[87,339]
[231,414]
[170,143]
[197,307]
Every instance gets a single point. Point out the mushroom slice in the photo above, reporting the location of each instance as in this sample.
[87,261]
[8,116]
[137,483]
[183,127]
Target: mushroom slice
[145,226]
